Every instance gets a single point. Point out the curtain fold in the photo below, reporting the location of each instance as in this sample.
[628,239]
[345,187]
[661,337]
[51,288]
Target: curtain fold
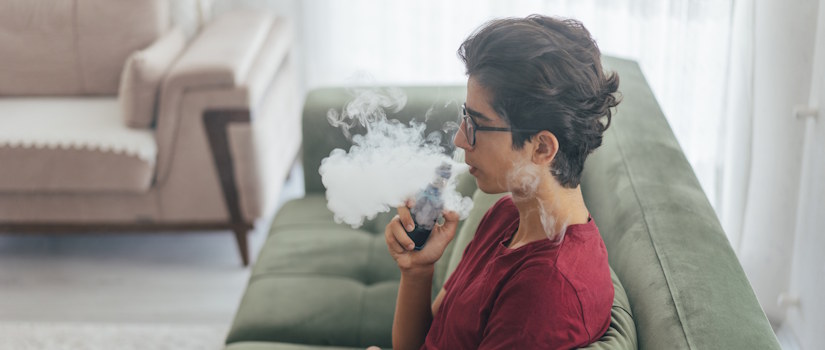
[805,307]
[735,155]
[781,79]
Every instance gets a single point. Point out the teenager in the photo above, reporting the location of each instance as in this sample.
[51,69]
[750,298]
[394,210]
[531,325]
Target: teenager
[535,275]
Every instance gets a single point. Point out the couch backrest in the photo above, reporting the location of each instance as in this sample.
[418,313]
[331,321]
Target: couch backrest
[73,47]
[686,287]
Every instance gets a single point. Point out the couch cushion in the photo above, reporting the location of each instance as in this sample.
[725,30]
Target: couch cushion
[73,47]
[319,283]
[142,75]
[65,145]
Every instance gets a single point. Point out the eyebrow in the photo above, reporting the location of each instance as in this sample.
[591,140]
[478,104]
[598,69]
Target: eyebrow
[477,114]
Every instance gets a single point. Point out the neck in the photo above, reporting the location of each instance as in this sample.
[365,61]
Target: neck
[548,212]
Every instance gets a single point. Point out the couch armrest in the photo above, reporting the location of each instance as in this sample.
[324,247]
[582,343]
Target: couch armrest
[142,76]
[238,63]
[238,53]
[223,53]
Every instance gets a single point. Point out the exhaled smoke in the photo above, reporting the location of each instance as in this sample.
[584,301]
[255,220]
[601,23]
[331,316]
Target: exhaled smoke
[367,108]
[389,164]
[524,182]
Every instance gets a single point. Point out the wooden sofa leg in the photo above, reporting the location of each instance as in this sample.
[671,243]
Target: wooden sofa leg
[243,245]
[216,122]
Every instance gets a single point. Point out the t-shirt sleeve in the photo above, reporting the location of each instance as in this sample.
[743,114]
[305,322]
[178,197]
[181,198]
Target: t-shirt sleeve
[537,309]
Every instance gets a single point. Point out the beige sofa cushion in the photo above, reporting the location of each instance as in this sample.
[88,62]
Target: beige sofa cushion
[70,145]
[50,47]
[50,170]
[142,75]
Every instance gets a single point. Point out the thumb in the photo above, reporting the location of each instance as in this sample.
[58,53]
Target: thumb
[450,217]
[450,220]
[446,231]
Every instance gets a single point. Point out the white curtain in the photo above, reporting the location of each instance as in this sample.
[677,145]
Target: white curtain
[770,78]
[681,45]
[772,206]
[805,318]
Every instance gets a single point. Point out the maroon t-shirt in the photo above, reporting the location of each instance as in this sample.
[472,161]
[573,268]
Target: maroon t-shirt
[539,296]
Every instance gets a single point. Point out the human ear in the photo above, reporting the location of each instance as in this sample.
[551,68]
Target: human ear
[546,145]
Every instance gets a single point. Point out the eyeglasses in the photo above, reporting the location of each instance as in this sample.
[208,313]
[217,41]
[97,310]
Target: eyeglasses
[470,127]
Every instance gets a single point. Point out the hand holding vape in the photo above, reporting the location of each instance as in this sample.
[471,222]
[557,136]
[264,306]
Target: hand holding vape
[428,206]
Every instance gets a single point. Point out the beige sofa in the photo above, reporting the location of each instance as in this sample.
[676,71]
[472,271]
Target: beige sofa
[112,120]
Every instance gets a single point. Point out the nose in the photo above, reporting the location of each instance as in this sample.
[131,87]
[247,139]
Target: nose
[460,139]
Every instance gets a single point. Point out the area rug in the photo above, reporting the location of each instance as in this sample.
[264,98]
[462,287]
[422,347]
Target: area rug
[103,336]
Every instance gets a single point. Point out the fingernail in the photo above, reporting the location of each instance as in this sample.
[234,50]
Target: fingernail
[410,227]
[411,246]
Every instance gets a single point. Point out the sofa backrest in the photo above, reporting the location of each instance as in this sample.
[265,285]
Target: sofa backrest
[686,287]
[73,47]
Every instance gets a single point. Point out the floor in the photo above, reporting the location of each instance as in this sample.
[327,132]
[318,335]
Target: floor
[143,278]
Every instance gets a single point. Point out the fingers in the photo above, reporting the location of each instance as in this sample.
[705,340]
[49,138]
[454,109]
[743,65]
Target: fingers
[406,217]
[397,239]
[446,231]
[450,220]
[450,216]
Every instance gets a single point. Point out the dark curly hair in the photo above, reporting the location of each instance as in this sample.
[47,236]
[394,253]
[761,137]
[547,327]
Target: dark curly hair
[545,73]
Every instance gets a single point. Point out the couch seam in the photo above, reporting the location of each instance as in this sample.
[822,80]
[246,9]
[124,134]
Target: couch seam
[371,253]
[624,309]
[632,181]
[359,335]
[363,302]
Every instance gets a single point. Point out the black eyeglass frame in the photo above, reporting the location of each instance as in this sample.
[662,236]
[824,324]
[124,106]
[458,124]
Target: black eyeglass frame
[472,141]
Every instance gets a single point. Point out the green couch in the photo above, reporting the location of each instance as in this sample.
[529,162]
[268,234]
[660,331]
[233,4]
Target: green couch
[322,285]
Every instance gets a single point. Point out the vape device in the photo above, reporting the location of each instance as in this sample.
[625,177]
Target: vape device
[428,206]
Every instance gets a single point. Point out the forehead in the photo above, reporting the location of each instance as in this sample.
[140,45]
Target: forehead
[478,102]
